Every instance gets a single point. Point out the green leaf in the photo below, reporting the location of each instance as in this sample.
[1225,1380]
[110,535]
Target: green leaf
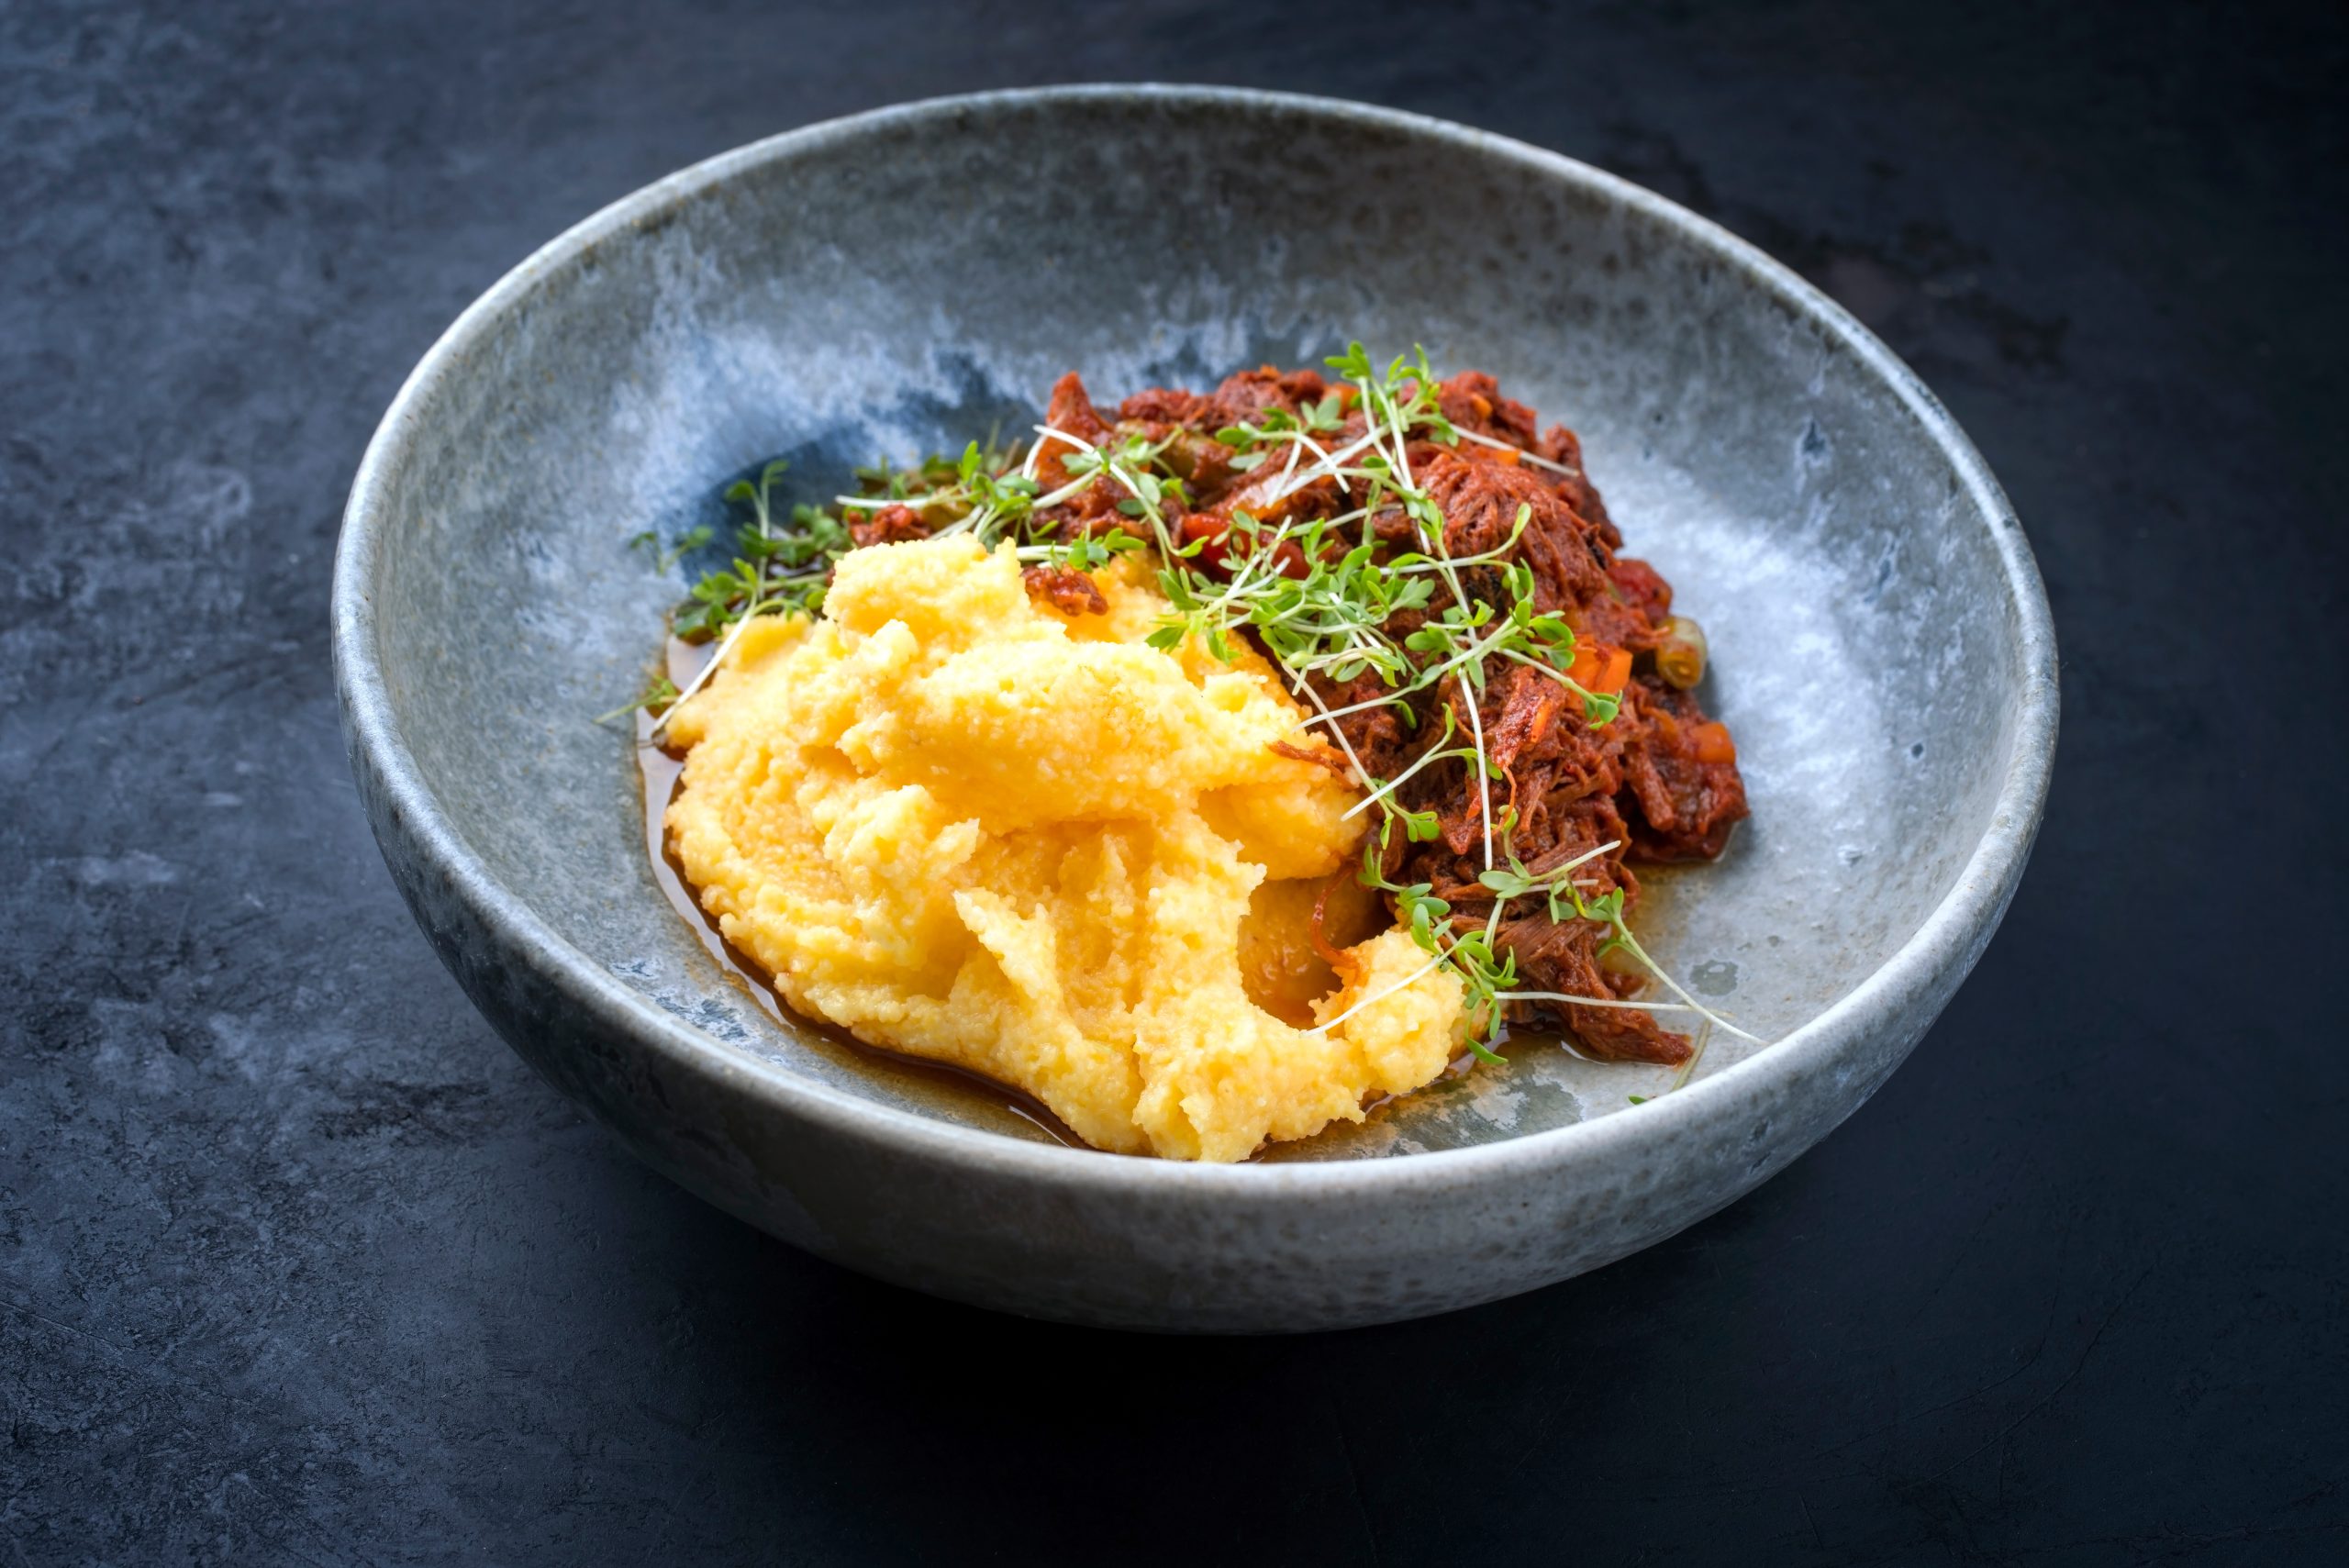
[659,694]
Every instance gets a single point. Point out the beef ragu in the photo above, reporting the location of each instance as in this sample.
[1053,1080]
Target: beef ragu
[1594,759]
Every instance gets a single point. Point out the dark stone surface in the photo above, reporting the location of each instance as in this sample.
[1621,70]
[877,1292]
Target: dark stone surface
[297,1263]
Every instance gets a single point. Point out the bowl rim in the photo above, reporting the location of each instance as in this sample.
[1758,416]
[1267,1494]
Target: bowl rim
[1949,936]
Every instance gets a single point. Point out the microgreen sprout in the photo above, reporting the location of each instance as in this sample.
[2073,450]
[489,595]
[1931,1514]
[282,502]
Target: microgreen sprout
[659,695]
[662,559]
[782,569]
[779,566]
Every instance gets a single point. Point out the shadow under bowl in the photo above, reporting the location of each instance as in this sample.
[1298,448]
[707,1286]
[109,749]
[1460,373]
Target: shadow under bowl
[899,281]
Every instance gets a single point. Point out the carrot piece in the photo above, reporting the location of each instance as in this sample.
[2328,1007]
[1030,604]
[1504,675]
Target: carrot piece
[1618,672]
[1713,744]
[1600,669]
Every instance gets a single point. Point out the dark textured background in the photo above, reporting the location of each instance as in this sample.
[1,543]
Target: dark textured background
[298,1262]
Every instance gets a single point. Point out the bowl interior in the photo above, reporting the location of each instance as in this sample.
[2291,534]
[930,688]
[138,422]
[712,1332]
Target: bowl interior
[901,283]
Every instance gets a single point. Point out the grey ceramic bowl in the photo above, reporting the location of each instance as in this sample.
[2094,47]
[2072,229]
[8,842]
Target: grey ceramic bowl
[896,282]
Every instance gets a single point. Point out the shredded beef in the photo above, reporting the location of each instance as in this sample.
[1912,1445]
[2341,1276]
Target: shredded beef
[890,524]
[1071,592]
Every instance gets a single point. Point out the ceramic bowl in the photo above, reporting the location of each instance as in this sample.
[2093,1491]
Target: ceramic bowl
[897,281]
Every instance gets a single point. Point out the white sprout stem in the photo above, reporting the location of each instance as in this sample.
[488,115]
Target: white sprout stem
[1299,442]
[1435,753]
[1592,1001]
[975,522]
[1056,433]
[1402,440]
[1327,462]
[1583,859]
[1288,470]
[1696,1054]
[1074,487]
[1424,970]
[1331,466]
[1245,579]
[702,675]
[1298,681]
[1036,449]
[927,498]
[1524,456]
[1484,779]
[1623,933]
[1116,471]
[1364,706]
[970,523]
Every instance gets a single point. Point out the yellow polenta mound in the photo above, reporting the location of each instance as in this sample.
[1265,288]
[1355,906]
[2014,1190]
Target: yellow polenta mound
[964,825]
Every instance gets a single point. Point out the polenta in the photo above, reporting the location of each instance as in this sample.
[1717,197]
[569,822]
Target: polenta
[963,823]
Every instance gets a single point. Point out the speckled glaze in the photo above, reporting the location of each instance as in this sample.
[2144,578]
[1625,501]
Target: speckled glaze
[896,282]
